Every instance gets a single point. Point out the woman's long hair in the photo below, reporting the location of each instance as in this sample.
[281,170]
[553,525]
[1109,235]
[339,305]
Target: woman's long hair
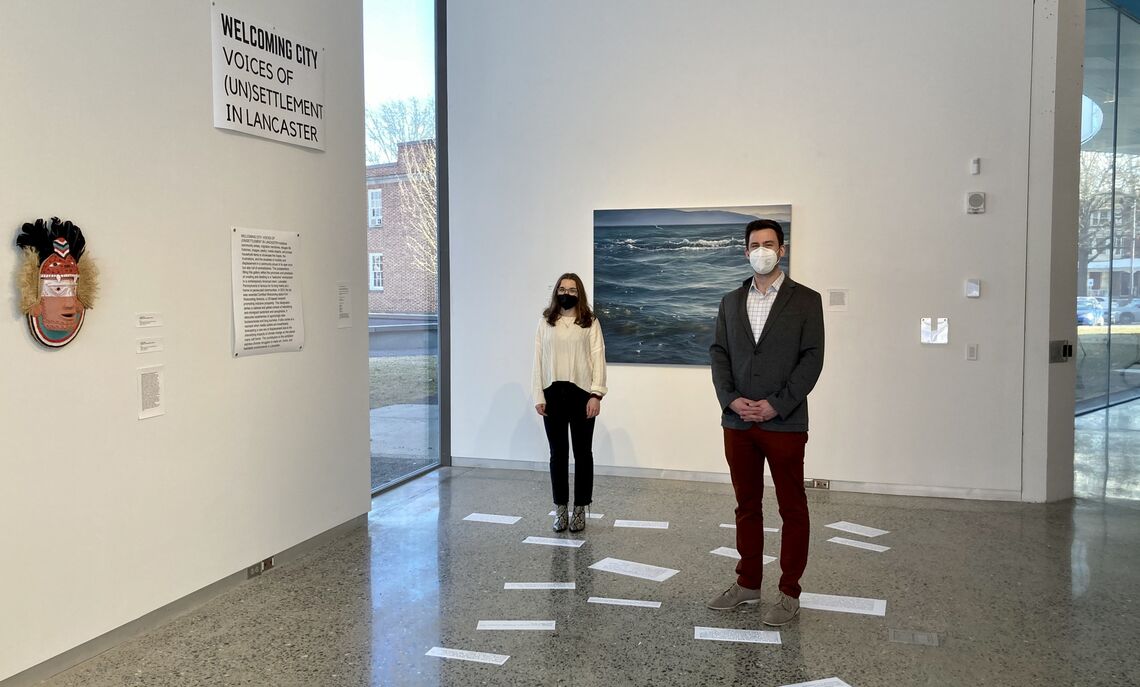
[583,316]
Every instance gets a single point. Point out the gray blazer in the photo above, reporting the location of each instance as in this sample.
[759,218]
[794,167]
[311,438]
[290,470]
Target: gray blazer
[782,367]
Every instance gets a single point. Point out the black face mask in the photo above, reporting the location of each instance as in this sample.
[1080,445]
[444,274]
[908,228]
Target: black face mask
[566,301]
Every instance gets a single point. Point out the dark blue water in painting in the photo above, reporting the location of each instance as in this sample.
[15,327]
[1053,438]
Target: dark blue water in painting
[657,289]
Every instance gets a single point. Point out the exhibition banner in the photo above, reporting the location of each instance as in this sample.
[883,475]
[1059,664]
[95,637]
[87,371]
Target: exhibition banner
[267,83]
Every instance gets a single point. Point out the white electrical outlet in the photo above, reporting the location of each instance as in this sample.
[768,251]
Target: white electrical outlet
[972,351]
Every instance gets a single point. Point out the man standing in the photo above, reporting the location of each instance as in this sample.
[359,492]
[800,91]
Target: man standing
[767,356]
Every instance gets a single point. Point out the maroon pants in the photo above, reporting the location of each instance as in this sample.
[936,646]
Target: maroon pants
[746,450]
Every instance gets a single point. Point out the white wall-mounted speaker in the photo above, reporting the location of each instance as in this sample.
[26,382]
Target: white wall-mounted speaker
[975,203]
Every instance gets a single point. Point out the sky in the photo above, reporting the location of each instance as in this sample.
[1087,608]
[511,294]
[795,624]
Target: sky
[399,50]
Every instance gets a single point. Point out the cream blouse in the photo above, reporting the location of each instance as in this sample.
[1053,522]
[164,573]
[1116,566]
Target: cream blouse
[567,352]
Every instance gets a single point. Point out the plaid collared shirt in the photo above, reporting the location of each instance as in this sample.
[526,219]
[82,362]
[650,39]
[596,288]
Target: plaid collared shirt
[760,305]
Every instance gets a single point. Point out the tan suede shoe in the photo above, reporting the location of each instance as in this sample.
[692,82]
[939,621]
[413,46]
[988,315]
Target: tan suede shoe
[734,596]
[783,612]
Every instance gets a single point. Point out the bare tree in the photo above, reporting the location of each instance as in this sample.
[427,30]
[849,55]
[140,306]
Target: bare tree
[1093,235]
[418,195]
[1098,204]
[394,122]
[404,130]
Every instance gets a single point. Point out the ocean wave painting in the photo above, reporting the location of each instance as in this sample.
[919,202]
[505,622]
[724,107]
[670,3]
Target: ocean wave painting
[659,275]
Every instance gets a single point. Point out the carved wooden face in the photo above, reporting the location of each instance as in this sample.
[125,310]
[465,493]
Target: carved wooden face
[57,317]
[61,313]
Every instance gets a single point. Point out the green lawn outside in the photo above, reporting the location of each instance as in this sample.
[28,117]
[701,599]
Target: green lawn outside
[402,379]
[1100,366]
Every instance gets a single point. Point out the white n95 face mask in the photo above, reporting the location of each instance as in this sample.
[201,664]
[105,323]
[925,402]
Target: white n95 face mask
[763,260]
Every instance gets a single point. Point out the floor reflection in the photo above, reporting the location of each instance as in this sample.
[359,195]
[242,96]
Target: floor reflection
[1106,458]
[404,527]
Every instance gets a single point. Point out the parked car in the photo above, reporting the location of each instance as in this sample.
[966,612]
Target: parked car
[1109,309]
[1089,312]
[1127,313]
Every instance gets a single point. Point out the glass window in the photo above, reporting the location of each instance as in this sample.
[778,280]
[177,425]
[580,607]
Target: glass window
[1108,271]
[376,271]
[375,208]
[1097,247]
[403,301]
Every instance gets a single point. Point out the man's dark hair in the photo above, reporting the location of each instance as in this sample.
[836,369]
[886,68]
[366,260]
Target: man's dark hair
[757,225]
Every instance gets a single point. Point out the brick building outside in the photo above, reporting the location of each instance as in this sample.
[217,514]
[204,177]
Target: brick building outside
[401,233]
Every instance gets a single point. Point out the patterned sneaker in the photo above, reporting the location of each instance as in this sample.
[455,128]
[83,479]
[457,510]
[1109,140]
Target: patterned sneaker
[733,597]
[578,519]
[784,612]
[559,518]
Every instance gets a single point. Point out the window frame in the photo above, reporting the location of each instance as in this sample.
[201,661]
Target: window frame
[375,210]
[373,272]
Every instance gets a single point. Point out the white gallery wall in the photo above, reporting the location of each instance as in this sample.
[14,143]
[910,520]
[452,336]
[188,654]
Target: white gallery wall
[108,122]
[863,116]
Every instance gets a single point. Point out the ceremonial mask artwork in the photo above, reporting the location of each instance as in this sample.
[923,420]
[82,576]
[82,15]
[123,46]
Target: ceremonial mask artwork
[56,285]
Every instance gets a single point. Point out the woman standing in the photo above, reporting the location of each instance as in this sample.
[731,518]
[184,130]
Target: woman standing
[569,382]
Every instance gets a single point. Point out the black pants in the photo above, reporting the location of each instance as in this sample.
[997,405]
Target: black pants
[566,406]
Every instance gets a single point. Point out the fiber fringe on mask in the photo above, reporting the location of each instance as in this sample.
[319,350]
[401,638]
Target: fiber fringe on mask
[88,282]
[29,280]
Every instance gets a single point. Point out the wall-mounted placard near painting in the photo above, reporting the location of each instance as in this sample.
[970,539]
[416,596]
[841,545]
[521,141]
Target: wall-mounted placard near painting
[659,275]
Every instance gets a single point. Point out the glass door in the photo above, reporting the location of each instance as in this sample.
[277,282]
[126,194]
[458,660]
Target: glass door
[1107,460]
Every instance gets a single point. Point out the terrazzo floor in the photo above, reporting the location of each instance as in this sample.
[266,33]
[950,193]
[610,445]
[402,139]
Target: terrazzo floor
[1018,594]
